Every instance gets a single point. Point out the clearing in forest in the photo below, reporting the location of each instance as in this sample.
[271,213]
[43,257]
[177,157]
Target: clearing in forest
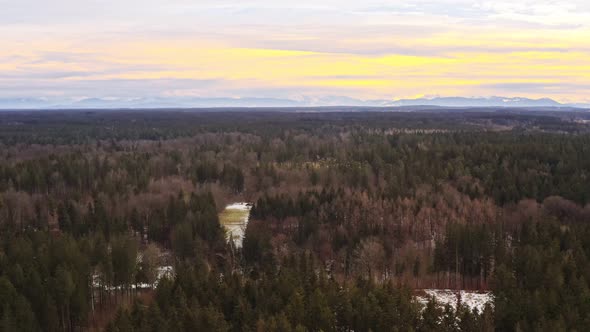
[235,218]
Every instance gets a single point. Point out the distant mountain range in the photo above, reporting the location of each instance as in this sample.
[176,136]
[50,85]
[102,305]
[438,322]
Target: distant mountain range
[193,102]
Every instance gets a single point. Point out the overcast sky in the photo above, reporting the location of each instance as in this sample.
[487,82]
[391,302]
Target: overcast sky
[290,49]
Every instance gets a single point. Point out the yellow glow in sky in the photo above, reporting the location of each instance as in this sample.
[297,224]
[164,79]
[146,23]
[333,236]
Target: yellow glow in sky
[214,50]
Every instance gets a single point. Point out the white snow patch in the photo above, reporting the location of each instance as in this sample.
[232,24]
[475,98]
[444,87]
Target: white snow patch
[470,299]
[239,206]
[163,271]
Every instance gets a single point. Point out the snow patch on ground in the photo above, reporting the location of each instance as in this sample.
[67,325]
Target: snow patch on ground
[470,299]
[163,272]
[239,206]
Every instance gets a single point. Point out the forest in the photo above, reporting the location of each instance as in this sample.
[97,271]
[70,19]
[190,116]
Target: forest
[109,220]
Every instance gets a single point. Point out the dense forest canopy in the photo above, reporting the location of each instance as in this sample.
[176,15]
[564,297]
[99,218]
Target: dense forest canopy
[352,213]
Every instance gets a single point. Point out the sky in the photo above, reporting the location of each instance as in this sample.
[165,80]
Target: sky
[125,49]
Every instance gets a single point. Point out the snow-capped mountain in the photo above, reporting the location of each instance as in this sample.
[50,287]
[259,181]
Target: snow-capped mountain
[304,101]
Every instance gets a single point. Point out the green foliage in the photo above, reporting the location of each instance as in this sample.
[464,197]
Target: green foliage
[291,300]
[544,285]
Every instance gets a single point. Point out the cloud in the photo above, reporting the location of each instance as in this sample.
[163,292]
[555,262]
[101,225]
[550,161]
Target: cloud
[370,49]
[547,87]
